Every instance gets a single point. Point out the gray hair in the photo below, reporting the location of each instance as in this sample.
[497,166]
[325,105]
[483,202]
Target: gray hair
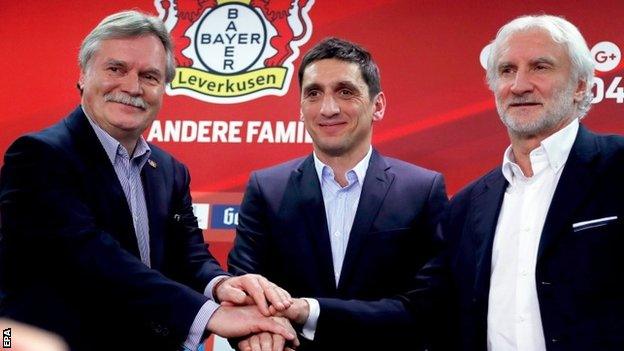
[562,32]
[127,24]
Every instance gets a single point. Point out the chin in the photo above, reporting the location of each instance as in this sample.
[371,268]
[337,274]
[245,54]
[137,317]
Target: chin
[332,150]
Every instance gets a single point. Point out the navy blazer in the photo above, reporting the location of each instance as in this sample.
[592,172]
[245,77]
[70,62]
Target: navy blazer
[282,234]
[70,260]
[579,271]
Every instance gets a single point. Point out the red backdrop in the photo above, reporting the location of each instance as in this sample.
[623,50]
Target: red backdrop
[440,113]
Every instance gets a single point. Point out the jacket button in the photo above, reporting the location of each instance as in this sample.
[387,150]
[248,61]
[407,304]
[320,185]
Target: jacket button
[554,340]
[545,283]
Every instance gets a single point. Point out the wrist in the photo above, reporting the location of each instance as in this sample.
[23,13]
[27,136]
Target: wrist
[303,311]
[215,289]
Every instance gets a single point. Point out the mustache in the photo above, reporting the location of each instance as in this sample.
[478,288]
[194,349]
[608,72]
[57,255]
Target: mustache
[126,100]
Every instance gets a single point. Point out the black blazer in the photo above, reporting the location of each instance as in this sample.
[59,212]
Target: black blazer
[70,262]
[282,234]
[579,272]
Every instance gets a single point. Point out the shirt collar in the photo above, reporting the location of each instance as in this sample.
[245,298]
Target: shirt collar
[112,147]
[556,147]
[359,169]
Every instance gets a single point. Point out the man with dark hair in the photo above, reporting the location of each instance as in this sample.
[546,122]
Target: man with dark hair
[345,229]
[114,259]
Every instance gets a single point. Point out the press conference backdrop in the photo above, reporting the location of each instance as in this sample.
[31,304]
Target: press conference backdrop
[233,106]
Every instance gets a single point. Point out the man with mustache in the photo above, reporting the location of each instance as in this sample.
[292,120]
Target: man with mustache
[114,259]
[535,246]
[344,229]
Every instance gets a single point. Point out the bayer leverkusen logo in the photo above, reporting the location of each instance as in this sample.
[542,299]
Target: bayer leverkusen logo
[230,51]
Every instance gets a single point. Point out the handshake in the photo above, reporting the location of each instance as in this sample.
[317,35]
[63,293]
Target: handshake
[258,311]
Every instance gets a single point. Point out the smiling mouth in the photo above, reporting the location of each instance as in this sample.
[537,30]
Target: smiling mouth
[525,104]
[332,124]
[129,105]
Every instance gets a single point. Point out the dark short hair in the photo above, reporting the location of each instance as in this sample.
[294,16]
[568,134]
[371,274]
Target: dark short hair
[340,49]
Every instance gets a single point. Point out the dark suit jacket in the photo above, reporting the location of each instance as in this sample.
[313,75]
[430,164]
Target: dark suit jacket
[70,261]
[282,234]
[579,272]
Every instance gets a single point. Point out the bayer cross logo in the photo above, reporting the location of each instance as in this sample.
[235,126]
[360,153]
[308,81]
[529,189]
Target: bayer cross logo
[230,39]
[231,51]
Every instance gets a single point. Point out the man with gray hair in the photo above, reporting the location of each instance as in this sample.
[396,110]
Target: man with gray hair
[115,259]
[535,246]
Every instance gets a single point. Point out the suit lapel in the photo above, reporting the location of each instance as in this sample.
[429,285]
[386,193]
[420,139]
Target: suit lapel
[156,202]
[107,190]
[310,202]
[376,184]
[486,205]
[573,187]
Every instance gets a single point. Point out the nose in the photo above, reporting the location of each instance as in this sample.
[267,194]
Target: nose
[329,106]
[131,84]
[522,83]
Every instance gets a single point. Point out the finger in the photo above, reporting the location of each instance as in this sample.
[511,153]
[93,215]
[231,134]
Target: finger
[266,341]
[271,293]
[271,326]
[283,295]
[254,289]
[286,324]
[294,343]
[254,341]
[278,342]
[231,294]
[244,345]
[248,300]
[287,295]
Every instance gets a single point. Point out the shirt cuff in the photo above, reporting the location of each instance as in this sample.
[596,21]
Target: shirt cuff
[199,325]
[211,285]
[309,328]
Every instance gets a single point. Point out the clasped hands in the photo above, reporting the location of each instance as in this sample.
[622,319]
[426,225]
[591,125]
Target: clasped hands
[258,310]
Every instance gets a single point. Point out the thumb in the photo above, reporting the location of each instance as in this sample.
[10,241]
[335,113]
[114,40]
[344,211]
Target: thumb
[232,295]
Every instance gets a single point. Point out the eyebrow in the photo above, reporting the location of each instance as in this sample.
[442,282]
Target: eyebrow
[543,59]
[338,85]
[154,72]
[120,63]
[310,87]
[537,60]
[348,85]
[115,62]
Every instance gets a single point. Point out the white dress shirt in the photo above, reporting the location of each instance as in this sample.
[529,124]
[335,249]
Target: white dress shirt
[513,321]
[340,207]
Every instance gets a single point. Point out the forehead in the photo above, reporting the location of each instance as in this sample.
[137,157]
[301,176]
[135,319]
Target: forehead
[530,45]
[332,71]
[143,51]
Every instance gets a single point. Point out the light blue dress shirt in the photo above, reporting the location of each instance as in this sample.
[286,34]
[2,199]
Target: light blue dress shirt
[128,169]
[341,205]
